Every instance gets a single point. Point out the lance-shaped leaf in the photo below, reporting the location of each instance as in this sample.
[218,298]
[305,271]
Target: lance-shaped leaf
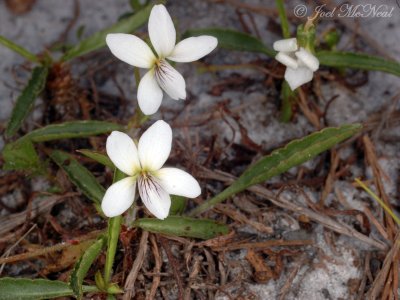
[82,266]
[27,99]
[233,40]
[281,160]
[183,226]
[27,289]
[99,157]
[73,129]
[98,40]
[18,49]
[81,177]
[358,61]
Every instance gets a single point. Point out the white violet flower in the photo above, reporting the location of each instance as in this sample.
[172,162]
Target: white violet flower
[143,165]
[300,63]
[161,76]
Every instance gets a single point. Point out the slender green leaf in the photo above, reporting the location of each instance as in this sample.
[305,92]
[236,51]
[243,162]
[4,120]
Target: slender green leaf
[283,18]
[73,129]
[18,49]
[358,61]
[21,155]
[233,40]
[98,40]
[26,100]
[82,266]
[99,157]
[81,177]
[281,160]
[183,226]
[114,228]
[28,289]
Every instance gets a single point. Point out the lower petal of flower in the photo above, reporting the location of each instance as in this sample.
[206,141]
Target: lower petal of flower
[149,94]
[298,77]
[119,197]
[154,196]
[170,80]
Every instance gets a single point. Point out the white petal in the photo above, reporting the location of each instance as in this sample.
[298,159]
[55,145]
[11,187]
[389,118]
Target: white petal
[131,49]
[308,59]
[178,182]
[286,45]
[287,60]
[149,94]
[119,197]
[170,80]
[123,152]
[155,198]
[155,146]
[193,48]
[298,77]
[161,31]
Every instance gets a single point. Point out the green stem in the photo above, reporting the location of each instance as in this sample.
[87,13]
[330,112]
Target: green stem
[283,18]
[288,101]
[114,227]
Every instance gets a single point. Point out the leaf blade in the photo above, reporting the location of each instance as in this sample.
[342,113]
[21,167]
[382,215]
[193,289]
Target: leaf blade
[82,266]
[183,226]
[97,156]
[28,289]
[73,129]
[18,49]
[233,40]
[27,99]
[358,61]
[81,177]
[293,154]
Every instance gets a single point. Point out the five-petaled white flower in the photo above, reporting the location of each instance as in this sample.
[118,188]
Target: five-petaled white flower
[300,63]
[161,76]
[143,165]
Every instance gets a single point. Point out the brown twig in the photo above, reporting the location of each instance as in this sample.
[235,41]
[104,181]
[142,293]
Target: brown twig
[129,286]
[157,268]
[174,265]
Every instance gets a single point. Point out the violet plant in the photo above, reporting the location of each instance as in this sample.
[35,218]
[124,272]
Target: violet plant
[141,164]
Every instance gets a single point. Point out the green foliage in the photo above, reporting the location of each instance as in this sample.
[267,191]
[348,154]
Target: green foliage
[99,157]
[73,129]
[233,40]
[283,18]
[26,100]
[98,40]
[18,49]
[183,226]
[82,266]
[283,159]
[358,61]
[178,204]
[27,289]
[114,228]
[288,100]
[81,177]
[21,155]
